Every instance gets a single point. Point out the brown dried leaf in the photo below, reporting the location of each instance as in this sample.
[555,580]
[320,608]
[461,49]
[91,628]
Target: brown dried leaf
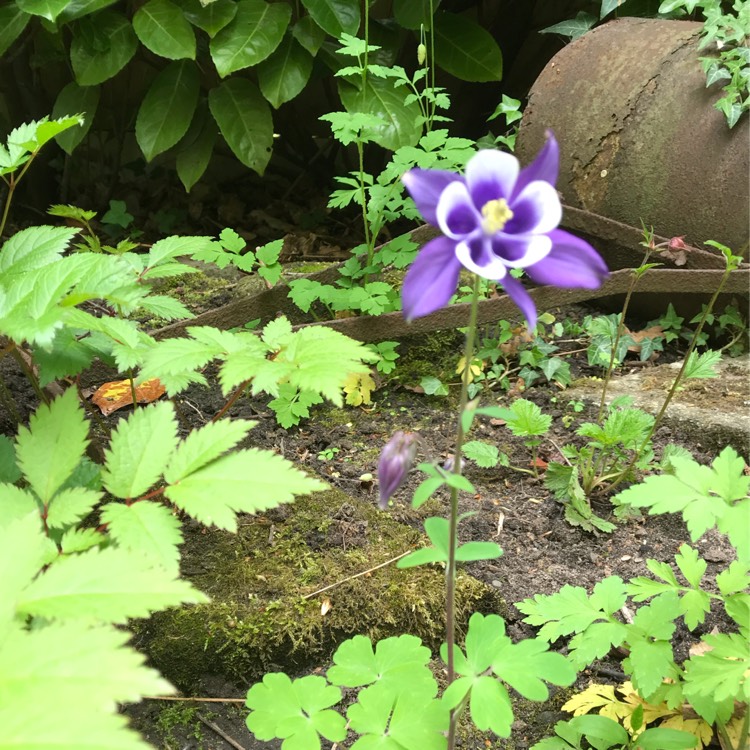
[112,396]
[646,333]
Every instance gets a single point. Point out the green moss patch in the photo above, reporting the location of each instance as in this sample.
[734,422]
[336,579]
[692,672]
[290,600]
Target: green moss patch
[259,618]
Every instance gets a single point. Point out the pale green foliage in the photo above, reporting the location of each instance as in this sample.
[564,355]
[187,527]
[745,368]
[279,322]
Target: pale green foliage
[64,666]
[483,454]
[297,367]
[25,141]
[705,496]
[525,419]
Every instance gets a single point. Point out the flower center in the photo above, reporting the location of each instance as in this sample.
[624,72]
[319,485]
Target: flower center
[496,214]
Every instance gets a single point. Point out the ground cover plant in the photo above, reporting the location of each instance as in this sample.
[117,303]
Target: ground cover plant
[93,512]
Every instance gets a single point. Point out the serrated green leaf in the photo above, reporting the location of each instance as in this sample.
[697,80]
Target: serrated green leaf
[253,34]
[204,445]
[146,528]
[17,503]
[79,540]
[162,27]
[101,48]
[244,118]
[723,672]
[483,454]
[70,506]
[139,450]
[527,419]
[109,585]
[244,482]
[285,72]
[51,447]
[167,109]
[335,17]
[32,249]
[465,49]
[702,365]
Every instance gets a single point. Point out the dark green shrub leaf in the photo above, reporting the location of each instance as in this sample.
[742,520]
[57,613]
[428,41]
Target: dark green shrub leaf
[74,98]
[12,23]
[411,14]
[335,16]
[309,34]
[162,27]
[102,48]
[465,49]
[284,74]
[211,18]
[253,34]
[196,148]
[167,109]
[49,9]
[244,118]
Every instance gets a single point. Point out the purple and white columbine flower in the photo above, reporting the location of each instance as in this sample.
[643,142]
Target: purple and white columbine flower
[494,218]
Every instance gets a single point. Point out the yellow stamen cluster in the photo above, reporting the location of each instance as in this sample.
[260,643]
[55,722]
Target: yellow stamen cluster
[496,214]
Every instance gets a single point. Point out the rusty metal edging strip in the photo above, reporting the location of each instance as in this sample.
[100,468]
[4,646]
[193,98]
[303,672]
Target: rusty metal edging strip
[702,277]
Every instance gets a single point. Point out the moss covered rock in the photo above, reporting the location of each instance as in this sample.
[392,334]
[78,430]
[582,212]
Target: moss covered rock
[264,614]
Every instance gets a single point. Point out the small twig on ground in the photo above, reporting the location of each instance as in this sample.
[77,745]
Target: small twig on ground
[356,575]
[221,733]
[188,699]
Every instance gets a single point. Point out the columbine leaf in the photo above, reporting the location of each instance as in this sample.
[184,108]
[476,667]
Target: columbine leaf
[139,450]
[295,710]
[52,446]
[110,585]
[146,528]
[399,663]
[245,481]
[723,672]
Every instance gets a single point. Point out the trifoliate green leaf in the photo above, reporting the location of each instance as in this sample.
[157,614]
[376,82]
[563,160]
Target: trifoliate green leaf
[139,450]
[204,445]
[400,663]
[386,720]
[51,447]
[244,482]
[297,711]
[110,585]
[489,702]
[70,506]
[146,528]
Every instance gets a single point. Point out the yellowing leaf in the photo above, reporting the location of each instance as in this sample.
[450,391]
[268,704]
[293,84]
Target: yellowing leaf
[358,386]
[476,368]
[701,730]
[118,393]
[594,696]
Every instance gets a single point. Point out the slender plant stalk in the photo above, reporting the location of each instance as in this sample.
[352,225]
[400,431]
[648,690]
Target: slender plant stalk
[693,341]
[620,329]
[450,573]
[30,376]
[133,392]
[12,183]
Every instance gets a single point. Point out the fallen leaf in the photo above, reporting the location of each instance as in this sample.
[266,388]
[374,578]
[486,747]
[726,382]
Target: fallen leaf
[638,336]
[325,607]
[118,393]
[538,463]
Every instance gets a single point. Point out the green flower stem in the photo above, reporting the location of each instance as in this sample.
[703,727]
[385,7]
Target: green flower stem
[693,341]
[28,371]
[450,573]
[620,329]
[368,237]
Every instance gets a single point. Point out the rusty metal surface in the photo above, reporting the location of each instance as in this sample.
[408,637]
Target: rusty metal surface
[639,136]
[701,276]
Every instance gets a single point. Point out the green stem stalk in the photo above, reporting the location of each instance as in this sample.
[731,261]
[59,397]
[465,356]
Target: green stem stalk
[450,572]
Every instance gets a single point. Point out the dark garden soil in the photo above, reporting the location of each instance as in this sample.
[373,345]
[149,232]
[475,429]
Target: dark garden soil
[541,551]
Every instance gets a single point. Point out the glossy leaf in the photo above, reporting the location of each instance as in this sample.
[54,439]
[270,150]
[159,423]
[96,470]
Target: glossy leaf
[167,109]
[162,27]
[80,8]
[335,16]
[255,32]
[49,9]
[101,48]
[284,74]
[71,100]
[12,23]
[309,34]
[244,118]
[380,99]
[210,18]
[466,50]
[196,147]
[412,14]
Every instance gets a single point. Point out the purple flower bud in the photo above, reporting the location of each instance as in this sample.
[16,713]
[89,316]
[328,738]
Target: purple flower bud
[396,459]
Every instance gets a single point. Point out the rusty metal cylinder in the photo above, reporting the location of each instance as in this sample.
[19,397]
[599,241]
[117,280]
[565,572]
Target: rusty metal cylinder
[639,137]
